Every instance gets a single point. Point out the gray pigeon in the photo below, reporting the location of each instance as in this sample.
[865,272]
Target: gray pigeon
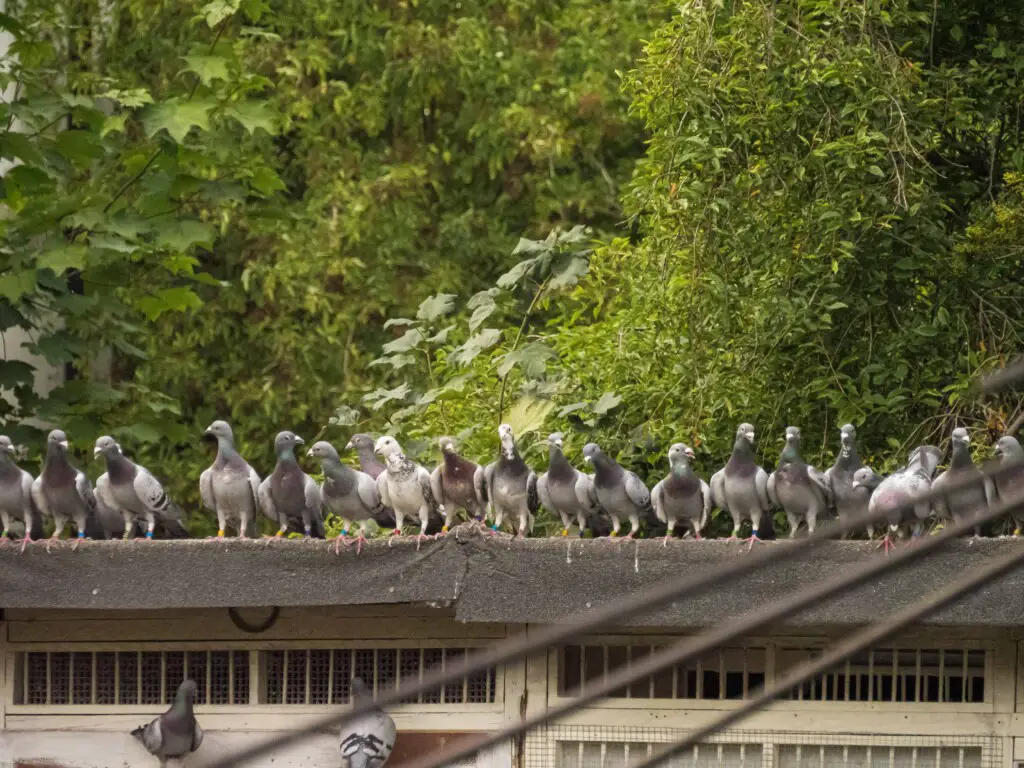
[367,741]
[511,486]
[405,487]
[741,486]
[797,487]
[962,504]
[1010,486]
[229,487]
[619,492]
[175,733]
[570,493]
[365,452]
[131,491]
[682,495]
[849,502]
[458,482]
[63,493]
[289,496]
[16,497]
[348,493]
[905,486]
[867,480]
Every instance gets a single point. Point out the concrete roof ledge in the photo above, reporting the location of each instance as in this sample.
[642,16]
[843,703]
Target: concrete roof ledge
[486,579]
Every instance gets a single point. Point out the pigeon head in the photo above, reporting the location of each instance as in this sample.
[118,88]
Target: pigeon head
[1008,448]
[792,449]
[508,440]
[745,432]
[592,453]
[793,435]
[6,446]
[680,453]
[286,442]
[361,442]
[57,439]
[865,478]
[186,691]
[447,445]
[847,434]
[219,431]
[387,447]
[555,440]
[323,450]
[107,447]
[961,437]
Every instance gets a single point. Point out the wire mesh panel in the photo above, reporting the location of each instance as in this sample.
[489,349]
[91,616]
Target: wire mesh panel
[731,673]
[130,677]
[822,756]
[894,675]
[323,676]
[616,754]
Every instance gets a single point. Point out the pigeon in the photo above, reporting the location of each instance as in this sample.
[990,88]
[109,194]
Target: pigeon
[289,496]
[458,482]
[511,486]
[175,733]
[16,497]
[741,486]
[64,493]
[348,493]
[962,504]
[365,451]
[905,486]
[367,741]
[682,495]
[866,480]
[797,487]
[405,487]
[1010,486]
[849,502]
[570,493]
[619,492]
[131,491]
[229,487]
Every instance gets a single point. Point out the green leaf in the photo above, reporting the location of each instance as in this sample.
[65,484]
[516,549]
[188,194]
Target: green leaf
[215,12]
[570,273]
[62,257]
[253,115]
[207,68]
[531,359]
[132,98]
[344,416]
[441,336]
[139,433]
[484,309]
[528,415]
[436,306]
[409,340]
[80,147]
[15,372]
[530,246]
[112,243]
[607,401]
[266,181]
[397,362]
[572,408]
[517,273]
[176,299]
[113,124]
[398,321]
[876,171]
[178,116]
[468,352]
[181,234]
[381,397]
[927,331]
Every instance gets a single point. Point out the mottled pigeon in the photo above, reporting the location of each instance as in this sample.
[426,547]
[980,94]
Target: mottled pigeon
[797,487]
[682,495]
[289,496]
[849,502]
[571,493]
[458,482]
[904,487]
[175,733]
[64,493]
[619,492]
[970,501]
[867,480]
[365,452]
[130,490]
[511,486]
[16,497]
[405,487]
[229,486]
[367,741]
[348,493]
[741,486]
[1010,486]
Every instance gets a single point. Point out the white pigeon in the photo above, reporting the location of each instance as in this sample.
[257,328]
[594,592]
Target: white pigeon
[405,487]
[367,741]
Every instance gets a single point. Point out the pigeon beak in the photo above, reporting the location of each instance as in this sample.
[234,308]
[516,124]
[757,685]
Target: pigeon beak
[11,449]
[95,452]
[309,452]
[588,460]
[348,446]
[299,440]
[855,484]
[64,443]
[690,454]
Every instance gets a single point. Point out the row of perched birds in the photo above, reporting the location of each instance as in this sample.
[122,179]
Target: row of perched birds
[128,500]
[366,741]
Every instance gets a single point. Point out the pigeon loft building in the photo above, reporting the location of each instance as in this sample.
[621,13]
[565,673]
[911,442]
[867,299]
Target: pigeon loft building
[94,643]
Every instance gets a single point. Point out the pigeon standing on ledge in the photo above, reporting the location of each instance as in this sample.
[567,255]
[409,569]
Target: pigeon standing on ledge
[348,493]
[570,493]
[906,487]
[741,486]
[369,465]
[682,495]
[797,487]
[619,492]
[229,486]
[970,501]
[175,733]
[458,482]
[1010,486]
[16,497]
[850,502]
[405,487]
[64,493]
[289,496]
[512,485]
[367,741]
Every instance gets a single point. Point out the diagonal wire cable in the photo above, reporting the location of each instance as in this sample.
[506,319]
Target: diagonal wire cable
[1007,377]
[862,640]
[691,648]
[618,610]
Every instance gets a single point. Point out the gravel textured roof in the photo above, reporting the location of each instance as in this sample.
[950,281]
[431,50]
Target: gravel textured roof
[485,579]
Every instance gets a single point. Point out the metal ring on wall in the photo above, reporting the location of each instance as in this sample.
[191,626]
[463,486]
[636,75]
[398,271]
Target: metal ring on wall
[254,629]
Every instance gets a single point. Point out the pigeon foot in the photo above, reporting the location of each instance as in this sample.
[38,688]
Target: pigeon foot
[442,533]
[886,543]
[420,538]
[664,542]
[754,539]
[338,541]
[53,541]
[25,542]
[74,547]
[394,533]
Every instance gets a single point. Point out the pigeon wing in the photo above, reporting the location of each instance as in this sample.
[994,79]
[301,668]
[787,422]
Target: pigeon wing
[718,490]
[761,485]
[314,503]
[266,500]
[532,499]
[480,485]
[489,487]
[939,500]
[84,490]
[151,494]
[366,488]
[770,489]
[206,489]
[658,501]
[382,488]
[254,484]
[542,492]
[818,480]
[637,491]
[197,736]
[705,494]
[151,735]
[435,484]
[104,494]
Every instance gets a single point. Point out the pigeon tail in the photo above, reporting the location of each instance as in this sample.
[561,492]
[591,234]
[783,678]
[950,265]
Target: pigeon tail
[139,733]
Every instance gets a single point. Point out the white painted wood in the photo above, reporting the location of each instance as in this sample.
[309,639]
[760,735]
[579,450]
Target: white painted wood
[119,750]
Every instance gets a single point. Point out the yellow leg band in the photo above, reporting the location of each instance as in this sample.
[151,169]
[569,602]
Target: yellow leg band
[220,533]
